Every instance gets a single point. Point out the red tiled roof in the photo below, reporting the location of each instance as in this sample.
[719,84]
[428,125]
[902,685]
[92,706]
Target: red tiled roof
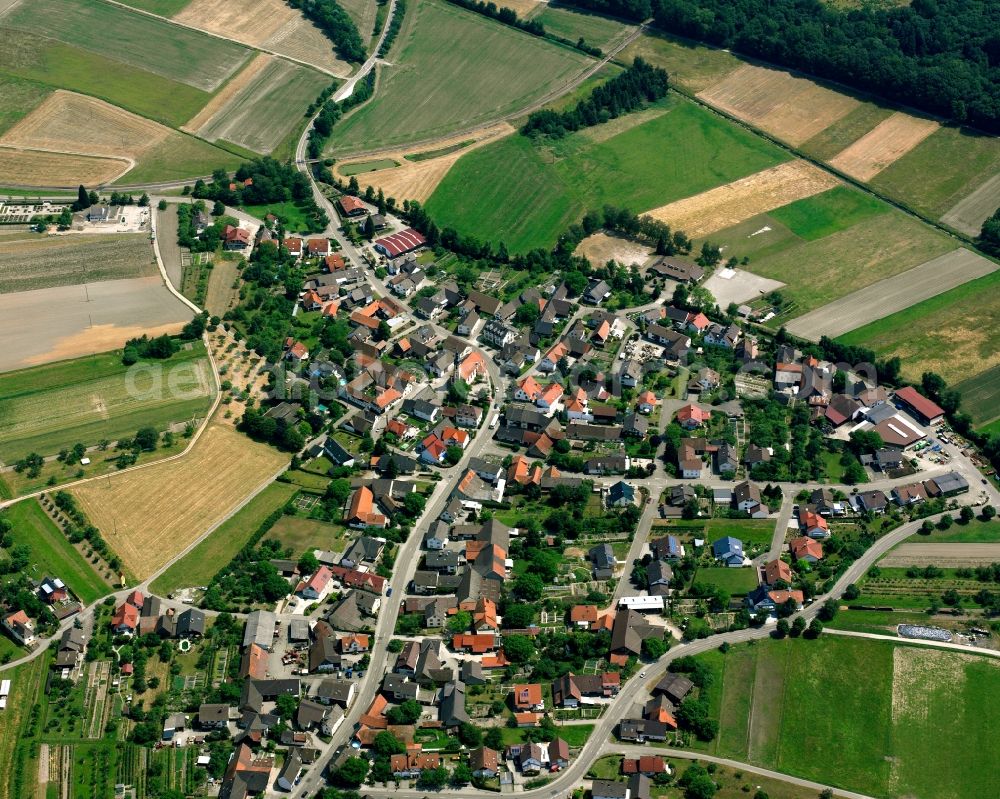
[919,402]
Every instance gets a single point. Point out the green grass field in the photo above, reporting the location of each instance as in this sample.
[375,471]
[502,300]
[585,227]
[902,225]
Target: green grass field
[883,242]
[749,531]
[165,8]
[956,333]
[262,115]
[846,130]
[975,532]
[304,535]
[912,725]
[173,51]
[18,98]
[202,563]
[179,157]
[527,193]
[735,581]
[692,66]
[595,30]
[358,167]
[829,212]
[945,167]
[981,395]
[59,65]
[45,408]
[289,213]
[453,69]
[51,552]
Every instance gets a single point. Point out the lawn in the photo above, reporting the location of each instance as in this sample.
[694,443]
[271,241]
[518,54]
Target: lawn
[201,563]
[526,193]
[595,30]
[981,395]
[734,581]
[691,66]
[819,271]
[452,69]
[944,168]
[975,532]
[749,531]
[180,53]
[293,217]
[573,734]
[911,727]
[836,209]
[60,65]
[46,408]
[178,158]
[304,535]
[956,333]
[17,99]
[51,552]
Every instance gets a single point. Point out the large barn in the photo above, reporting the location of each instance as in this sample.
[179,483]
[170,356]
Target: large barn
[396,244]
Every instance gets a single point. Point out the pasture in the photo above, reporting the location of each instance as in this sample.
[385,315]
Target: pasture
[885,144]
[150,516]
[70,259]
[892,294]
[525,193]
[453,69]
[18,98]
[829,212]
[693,67]
[179,53]
[981,395]
[51,551]
[45,325]
[918,178]
[304,535]
[261,114]
[798,707]
[216,550]
[790,108]
[728,205]
[956,333]
[882,244]
[595,30]
[46,408]
[179,157]
[60,65]
[39,168]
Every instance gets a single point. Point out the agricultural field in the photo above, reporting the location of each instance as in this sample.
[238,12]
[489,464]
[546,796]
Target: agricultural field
[46,408]
[179,54]
[51,551]
[179,157]
[304,535]
[728,205]
[215,551]
[981,396]
[693,67]
[595,30]
[838,136]
[39,168]
[956,333]
[798,707]
[64,66]
[526,192]
[270,24]
[363,13]
[259,116]
[882,146]
[893,294]
[148,517]
[453,69]
[817,268]
[18,766]
[20,98]
[39,263]
[165,8]
[946,554]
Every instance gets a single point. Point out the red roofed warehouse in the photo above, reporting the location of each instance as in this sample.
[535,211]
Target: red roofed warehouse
[400,243]
[922,408]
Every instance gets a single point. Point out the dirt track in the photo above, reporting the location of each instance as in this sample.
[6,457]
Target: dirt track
[943,555]
[892,294]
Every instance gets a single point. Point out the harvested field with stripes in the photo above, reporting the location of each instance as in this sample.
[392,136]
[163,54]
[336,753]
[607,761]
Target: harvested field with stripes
[151,515]
[969,213]
[247,76]
[893,294]
[945,556]
[747,197]
[791,108]
[416,180]
[886,143]
[20,167]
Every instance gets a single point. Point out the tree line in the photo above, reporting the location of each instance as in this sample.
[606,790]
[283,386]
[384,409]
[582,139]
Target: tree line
[942,56]
[633,88]
[331,111]
[337,25]
[636,10]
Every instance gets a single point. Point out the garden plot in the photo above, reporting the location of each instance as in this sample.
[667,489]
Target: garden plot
[261,114]
[793,109]
[888,142]
[893,294]
[742,199]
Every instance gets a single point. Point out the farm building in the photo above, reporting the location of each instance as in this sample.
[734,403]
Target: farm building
[396,244]
[916,403]
[351,206]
